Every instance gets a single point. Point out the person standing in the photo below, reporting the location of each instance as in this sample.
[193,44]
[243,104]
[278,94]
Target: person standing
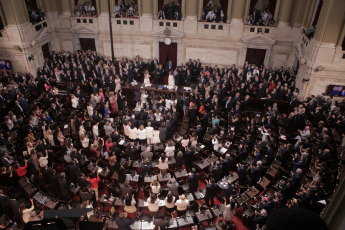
[94,184]
[210,192]
[123,222]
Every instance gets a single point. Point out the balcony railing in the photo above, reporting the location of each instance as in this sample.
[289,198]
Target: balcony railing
[40,25]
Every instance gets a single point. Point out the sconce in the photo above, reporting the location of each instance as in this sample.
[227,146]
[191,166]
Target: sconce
[33,43]
[302,61]
[31,58]
[319,68]
[17,47]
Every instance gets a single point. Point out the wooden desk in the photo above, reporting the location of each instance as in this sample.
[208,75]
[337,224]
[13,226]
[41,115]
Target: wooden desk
[181,174]
[149,179]
[252,192]
[212,159]
[200,194]
[264,183]
[183,222]
[201,165]
[131,178]
[164,177]
[204,216]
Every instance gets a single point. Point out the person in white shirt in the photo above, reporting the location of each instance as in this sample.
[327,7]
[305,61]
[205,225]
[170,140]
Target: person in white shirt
[149,133]
[130,204]
[133,133]
[95,129]
[185,142]
[163,164]
[171,78]
[169,203]
[26,211]
[210,16]
[142,134]
[181,205]
[156,139]
[155,187]
[170,150]
[89,109]
[126,129]
[43,161]
[216,143]
[85,141]
[74,101]
[152,204]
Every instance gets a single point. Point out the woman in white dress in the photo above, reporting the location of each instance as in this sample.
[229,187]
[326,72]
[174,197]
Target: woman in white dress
[85,141]
[193,141]
[163,164]
[117,83]
[149,133]
[155,139]
[74,101]
[50,136]
[95,129]
[230,209]
[81,131]
[170,150]
[126,128]
[216,143]
[171,78]
[130,204]
[89,109]
[147,78]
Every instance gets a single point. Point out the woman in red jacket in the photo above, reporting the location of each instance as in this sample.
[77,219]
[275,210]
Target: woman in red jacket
[21,171]
[94,184]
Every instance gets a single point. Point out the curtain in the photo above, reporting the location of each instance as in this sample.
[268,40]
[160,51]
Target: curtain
[256,56]
[167,52]
[161,3]
[252,5]
[87,44]
[272,6]
[224,6]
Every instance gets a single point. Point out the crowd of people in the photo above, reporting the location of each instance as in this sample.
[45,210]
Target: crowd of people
[213,13]
[59,135]
[261,18]
[35,15]
[87,9]
[123,10]
[170,11]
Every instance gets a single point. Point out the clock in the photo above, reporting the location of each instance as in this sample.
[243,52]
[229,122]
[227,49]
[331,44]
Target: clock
[167,41]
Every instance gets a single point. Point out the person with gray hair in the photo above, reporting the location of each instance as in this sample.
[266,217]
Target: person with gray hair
[173,186]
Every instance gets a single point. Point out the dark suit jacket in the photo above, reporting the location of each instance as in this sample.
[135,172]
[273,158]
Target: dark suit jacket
[193,180]
[124,224]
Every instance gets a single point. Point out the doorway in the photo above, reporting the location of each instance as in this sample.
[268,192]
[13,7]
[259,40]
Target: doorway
[46,51]
[167,53]
[87,44]
[256,56]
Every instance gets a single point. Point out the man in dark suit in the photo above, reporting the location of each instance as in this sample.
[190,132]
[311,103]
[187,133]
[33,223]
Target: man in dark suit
[14,210]
[162,132]
[160,222]
[210,192]
[193,180]
[169,66]
[242,173]
[64,188]
[123,222]
[158,75]
[18,110]
[255,173]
